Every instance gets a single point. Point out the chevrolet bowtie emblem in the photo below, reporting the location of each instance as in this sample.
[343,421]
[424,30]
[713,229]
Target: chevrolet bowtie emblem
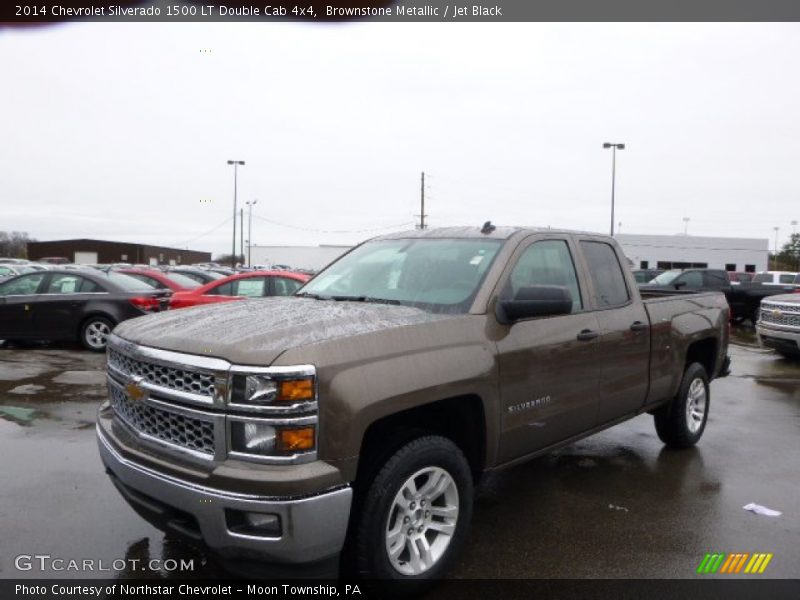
[134,389]
[776,312]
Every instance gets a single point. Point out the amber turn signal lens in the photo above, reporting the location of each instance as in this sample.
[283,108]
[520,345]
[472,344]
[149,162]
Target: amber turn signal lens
[296,389]
[292,440]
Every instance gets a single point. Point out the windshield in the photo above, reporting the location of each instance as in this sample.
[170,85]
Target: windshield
[666,278]
[438,275]
[128,283]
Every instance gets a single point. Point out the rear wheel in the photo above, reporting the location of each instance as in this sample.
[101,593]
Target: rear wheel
[94,333]
[680,424]
[415,514]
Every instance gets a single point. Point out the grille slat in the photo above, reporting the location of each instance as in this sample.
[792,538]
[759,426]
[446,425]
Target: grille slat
[787,315]
[187,432]
[171,378]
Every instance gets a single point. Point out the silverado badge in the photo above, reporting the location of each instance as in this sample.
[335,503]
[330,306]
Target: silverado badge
[135,391]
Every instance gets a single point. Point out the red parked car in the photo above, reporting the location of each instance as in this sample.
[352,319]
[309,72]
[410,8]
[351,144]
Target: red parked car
[254,284]
[162,281]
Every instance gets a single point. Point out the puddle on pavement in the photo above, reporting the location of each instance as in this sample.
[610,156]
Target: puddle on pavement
[18,414]
[81,378]
[28,388]
[17,371]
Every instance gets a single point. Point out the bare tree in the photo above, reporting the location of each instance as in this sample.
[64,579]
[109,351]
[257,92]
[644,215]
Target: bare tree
[14,244]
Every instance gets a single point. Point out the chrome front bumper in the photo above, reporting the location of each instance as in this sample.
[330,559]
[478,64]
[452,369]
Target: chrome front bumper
[312,528]
[778,337]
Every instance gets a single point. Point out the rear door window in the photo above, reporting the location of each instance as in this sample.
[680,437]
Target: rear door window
[608,279]
[715,279]
[786,278]
[252,287]
[70,284]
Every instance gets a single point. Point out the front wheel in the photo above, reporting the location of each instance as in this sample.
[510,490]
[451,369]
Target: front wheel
[680,424]
[94,333]
[416,512]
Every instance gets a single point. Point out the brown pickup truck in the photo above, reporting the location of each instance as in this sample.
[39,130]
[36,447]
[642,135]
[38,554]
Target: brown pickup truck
[359,414]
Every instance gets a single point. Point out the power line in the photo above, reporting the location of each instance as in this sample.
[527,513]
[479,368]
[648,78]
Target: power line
[203,234]
[397,226]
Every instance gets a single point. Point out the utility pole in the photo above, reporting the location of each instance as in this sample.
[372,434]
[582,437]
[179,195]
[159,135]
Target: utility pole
[614,148]
[241,228]
[235,164]
[775,256]
[422,214]
[250,230]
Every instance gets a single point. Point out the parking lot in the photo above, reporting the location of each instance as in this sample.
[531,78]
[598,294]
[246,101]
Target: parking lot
[617,504]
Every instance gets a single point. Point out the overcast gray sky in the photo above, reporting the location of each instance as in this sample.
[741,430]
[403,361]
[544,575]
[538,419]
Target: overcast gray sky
[122,131]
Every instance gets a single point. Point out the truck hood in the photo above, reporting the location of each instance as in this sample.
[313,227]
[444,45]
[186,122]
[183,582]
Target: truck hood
[257,331]
[784,298]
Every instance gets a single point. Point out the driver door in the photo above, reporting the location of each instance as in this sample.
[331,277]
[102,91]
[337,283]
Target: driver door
[549,375]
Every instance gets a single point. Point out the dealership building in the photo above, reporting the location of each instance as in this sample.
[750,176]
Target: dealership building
[88,252]
[690,251]
[310,258]
[643,252]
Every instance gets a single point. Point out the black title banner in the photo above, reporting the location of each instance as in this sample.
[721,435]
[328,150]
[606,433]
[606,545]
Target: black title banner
[24,13]
[481,589]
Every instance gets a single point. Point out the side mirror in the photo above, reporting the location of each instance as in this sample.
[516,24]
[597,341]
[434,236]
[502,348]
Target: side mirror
[680,284]
[535,301]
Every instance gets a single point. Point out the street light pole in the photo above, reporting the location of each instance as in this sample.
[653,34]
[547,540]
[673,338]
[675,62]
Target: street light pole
[235,164]
[775,256]
[685,225]
[250,230]
[614,148]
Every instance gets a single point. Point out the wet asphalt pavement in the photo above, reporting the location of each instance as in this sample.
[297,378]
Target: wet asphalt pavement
[617,504]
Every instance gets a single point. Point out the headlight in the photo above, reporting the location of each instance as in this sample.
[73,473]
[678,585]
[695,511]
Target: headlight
[253,438]
[258,438]
[273,414]
[278,388]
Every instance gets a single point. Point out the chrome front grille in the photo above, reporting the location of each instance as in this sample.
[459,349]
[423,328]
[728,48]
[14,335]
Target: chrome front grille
[182,404]
[194,433]
[182,380]
[785,315]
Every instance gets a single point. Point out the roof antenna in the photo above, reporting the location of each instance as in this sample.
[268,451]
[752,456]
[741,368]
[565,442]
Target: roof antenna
[488,227]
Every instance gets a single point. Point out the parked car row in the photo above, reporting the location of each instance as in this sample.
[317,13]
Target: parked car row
[85,304]
[744,298]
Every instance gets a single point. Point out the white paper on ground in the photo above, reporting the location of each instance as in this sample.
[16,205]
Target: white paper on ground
[762,510]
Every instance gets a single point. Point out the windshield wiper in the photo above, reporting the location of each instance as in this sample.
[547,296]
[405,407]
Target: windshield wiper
[312,296]
[369,299]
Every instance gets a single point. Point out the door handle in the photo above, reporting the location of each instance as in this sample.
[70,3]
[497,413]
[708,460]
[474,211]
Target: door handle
[586,335]
[638,326]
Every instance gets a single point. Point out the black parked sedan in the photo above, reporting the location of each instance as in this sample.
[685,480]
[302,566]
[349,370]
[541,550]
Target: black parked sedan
[73,305]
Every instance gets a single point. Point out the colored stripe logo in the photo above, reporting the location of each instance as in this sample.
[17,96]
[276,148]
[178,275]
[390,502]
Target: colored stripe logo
[734,563]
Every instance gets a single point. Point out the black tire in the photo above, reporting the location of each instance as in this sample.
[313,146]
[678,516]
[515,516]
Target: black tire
[675,425]
[426,457]
[91,333]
